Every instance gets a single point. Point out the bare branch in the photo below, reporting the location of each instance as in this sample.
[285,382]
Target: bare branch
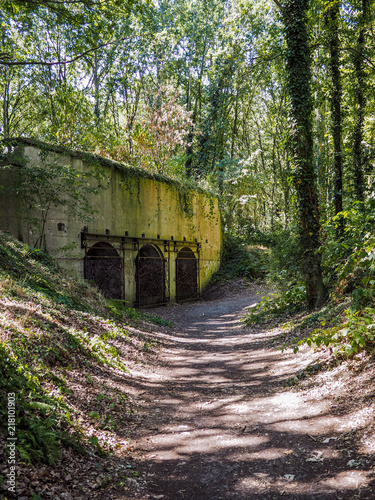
[355,51]
[280,6]
[5,56]
[33,3]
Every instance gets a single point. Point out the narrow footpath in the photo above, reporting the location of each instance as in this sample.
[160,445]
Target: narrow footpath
[221,422]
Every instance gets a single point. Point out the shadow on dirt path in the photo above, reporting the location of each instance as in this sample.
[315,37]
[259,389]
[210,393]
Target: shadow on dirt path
[220,423]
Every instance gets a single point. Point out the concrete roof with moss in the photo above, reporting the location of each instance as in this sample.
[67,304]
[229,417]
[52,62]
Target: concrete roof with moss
[93,159]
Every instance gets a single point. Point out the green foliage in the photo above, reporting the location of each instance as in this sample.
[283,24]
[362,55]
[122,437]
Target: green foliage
[242,261]
[350,262]
[354,335]
[118,308]
[285,264]
[350,268]
[284,272]
[157,320]
[34,270]
[273,305]
[39,421]
[161,137]
[151,69]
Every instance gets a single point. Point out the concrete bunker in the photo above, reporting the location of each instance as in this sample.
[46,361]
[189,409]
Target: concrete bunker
[151,240]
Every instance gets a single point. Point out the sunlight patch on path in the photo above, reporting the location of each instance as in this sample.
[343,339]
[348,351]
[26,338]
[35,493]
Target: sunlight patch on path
[228,422]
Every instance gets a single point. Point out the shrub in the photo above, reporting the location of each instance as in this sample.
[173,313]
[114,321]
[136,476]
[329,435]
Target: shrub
[242,261]
[356,334]
[275,304]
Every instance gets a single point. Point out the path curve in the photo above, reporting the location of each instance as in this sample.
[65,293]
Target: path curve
[221,424]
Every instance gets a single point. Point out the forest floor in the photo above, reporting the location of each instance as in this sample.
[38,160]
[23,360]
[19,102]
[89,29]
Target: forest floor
[220,412]
[229,415]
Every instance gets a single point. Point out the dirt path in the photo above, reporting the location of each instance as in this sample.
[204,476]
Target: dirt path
[220,422]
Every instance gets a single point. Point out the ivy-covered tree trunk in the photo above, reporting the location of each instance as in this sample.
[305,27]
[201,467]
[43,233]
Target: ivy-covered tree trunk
[358,61]
[299,79]
[332,20]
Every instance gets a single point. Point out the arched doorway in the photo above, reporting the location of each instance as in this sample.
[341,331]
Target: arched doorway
[186,275]
[150,276]
[103,266]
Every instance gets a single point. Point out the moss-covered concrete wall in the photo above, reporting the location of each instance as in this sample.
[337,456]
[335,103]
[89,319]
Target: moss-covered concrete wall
[131,209]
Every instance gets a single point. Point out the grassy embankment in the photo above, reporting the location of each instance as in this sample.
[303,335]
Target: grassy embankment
[58,337]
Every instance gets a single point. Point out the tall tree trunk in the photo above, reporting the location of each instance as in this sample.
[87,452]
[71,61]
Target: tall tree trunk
[332,20]
[234,128]
[197,107]
[358,61]
[6,126]
[96,90]
[299,79]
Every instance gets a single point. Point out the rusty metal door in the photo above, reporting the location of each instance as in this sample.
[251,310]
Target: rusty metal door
[104,267]
[186,275]
[150,276]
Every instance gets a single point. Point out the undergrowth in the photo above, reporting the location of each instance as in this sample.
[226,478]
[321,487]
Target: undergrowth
[51,324]
[275,304]
[119,310]
[240,260]
[349,272]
